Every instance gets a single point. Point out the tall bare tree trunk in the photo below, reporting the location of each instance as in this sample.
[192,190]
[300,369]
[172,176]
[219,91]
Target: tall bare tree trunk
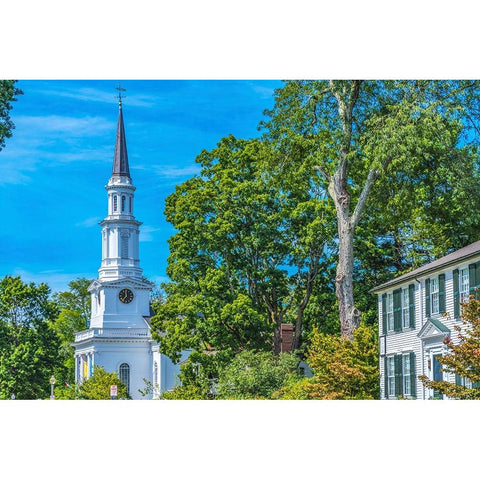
[349,314]
[338,190]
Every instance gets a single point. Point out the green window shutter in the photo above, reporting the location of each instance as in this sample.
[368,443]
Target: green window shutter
[441,293]
[477,280]
[458,379]
[456,295]
[384,313]
[411,301]
[475,384]
[427,297]
[472,277]
[385,372]
[413,377]
[398,375]
[397,310]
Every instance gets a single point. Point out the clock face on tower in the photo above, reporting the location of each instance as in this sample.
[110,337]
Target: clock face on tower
[125,295]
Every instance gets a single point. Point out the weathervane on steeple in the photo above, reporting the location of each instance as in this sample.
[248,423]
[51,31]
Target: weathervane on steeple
[120,90]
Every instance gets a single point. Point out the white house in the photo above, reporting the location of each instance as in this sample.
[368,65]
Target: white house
[118,337]
[416,312]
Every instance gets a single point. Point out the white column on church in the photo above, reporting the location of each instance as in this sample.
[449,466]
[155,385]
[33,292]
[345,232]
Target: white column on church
[76,368]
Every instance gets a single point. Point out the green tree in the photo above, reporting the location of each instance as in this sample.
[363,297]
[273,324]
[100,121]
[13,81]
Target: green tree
[351,135]
[256,375]
[28,344]
[66,392]
[187,392]
[342,369]
[73,317]
[245,258]
[463,358]
[415,216]
[97,387]
[8,94]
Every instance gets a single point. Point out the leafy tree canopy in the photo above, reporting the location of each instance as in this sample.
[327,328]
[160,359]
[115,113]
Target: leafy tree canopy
[342,369]
[256,375]
[353,135]
[8,94]
[73,317]
[28,344]
[245,257]
[97,387]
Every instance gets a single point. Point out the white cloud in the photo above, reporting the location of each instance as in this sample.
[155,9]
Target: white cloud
[103,96]
[263,92]
[146,233]
[171,171]
[55,279]
[89,222]
[59,124]
[15,171]
[18,162]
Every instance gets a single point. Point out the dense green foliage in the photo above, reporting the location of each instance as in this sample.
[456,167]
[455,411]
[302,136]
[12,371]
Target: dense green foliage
[187,392]
[8,94]
[97,387]
[347,189]
[245,258]
[74,316]
[256,375]
[415,218]
[342,369]
[66,392]
[355,137]
[463,358]
[28,344]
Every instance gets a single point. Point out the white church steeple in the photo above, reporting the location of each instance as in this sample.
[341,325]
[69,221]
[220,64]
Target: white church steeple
[120,234]
[120,295]
[119,337]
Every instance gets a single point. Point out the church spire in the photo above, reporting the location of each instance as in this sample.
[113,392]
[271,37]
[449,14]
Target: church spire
[120,158]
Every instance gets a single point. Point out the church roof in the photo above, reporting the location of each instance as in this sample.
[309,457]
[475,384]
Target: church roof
[120,158]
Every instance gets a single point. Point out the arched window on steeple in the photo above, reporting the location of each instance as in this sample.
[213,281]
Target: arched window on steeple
[115,205]
[124,375]
[130,211]
[123,203]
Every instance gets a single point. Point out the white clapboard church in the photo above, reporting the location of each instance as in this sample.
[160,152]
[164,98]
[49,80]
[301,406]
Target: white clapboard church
[417,312]
[119,337]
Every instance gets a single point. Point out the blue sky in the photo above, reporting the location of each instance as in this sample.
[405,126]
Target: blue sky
[55,167]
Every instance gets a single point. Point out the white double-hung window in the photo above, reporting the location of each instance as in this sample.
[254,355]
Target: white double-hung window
[399,375]
[407,386]
[405,308]
[464,284]
[391,375]
[390,325]
[434,295]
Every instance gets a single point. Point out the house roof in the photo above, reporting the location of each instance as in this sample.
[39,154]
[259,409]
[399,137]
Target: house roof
[463,254]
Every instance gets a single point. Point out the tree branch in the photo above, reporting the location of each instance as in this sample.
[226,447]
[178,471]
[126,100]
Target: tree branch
[369,182]
[372,177]
[320,169]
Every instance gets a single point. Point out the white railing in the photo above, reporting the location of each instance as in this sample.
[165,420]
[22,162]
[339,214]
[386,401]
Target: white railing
[112,332]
